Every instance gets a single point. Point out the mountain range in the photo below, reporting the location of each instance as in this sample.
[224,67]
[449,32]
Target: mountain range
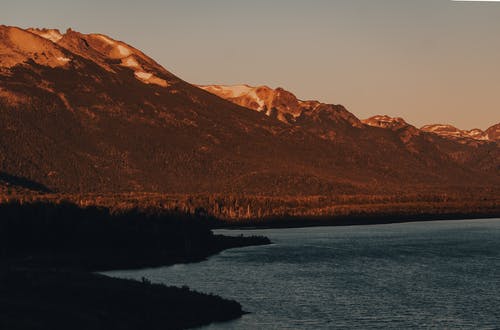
[284,106]
[84,113]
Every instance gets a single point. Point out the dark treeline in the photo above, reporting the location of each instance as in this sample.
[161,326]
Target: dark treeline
[47,250]
[94,238]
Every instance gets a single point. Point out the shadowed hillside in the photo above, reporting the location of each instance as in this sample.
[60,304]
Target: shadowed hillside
[84,113]
[19,182]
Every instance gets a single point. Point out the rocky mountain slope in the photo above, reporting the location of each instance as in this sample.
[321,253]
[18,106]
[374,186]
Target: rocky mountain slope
[337,123]
[493,132]
[464,136]
[87,113]
[283,105]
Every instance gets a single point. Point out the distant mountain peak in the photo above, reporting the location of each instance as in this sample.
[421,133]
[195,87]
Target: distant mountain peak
[283,105]
[452,132]
[53,35]
[493,132]
[260,98]
[447,131]
[385,121]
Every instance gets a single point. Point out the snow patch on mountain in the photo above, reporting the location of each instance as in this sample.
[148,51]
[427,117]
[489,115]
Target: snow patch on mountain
[119,50]
[449,131]
[237,90]
[106,39]
[130,62]
[50,34]
[478,134]
[384,121]
[130,59]
[233,91]
[143,75]
[124,51]
[63,59]
[284,106]
[432,128]
[18,46]
[255,98]
[149,78]
[262,104]
[493,132]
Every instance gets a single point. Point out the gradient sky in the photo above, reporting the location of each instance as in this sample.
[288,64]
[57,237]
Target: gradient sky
[428,61]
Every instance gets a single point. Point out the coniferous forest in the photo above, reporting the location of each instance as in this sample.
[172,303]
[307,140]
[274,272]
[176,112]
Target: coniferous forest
[49,250]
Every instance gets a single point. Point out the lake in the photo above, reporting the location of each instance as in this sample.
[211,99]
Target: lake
[440,274]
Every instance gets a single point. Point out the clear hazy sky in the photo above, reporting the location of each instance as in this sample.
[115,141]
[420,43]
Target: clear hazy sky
[428,61]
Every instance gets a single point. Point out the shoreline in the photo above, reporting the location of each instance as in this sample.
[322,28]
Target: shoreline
[64,299]
[367,220]
[34,297]
[50,255]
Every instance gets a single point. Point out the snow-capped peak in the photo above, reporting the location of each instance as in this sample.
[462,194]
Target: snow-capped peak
[19,46]
[252,97]
[50,47]
[118,49]
[493,132]
[130,58]
[285,106]
[259,98]
[385,121]
[452,132]
[50,34]
[227,91]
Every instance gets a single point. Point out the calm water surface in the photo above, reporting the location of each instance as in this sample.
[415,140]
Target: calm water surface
[443,274]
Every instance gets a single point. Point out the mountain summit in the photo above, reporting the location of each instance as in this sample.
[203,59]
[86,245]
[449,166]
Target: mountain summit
[281,104]
[464,136]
